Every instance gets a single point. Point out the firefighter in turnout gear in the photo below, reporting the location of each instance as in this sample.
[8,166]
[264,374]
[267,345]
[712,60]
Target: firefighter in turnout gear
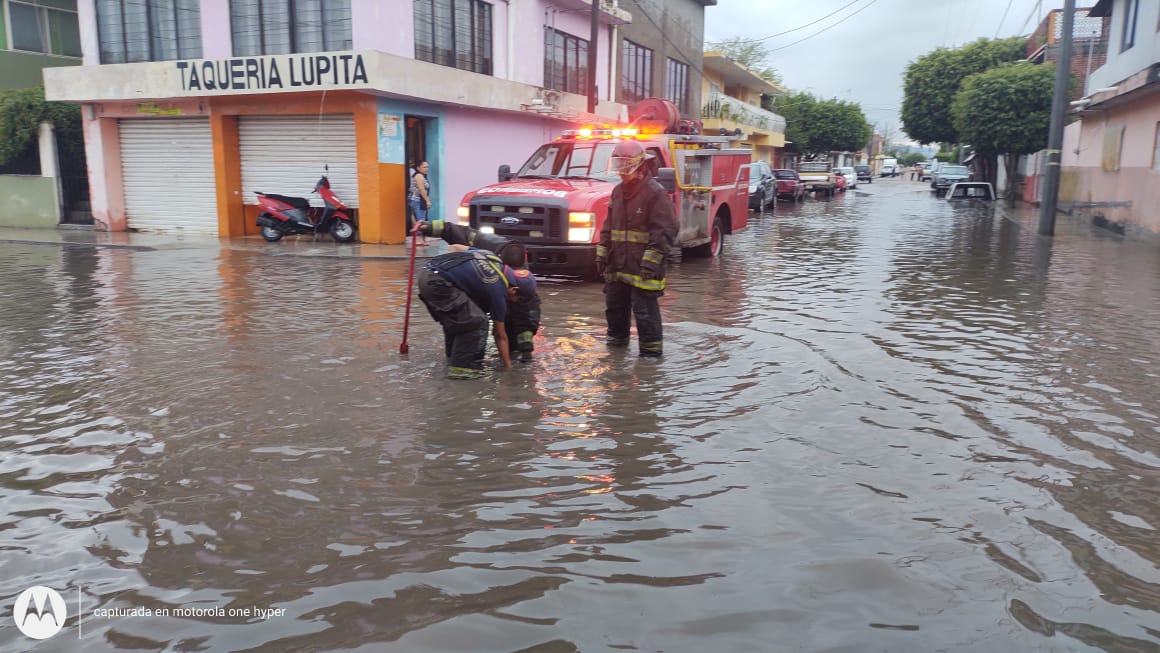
[634,244]
[523,317]
[462,289]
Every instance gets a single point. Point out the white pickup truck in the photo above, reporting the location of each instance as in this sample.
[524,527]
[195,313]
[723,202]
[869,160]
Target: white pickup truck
[889,168]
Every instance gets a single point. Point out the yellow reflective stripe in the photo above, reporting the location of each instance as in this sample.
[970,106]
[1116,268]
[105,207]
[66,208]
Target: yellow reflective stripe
[622,236]
[523,336]
[437,228]
[463,373]
[635,280]
[499,269]
[653,256]
[601,251]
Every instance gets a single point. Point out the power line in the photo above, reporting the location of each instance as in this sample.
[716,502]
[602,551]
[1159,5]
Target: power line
[1003,19]
[825,29]
[766,38]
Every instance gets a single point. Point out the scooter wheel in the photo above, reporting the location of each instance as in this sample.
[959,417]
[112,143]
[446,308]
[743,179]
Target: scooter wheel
[271,234]
[342,231]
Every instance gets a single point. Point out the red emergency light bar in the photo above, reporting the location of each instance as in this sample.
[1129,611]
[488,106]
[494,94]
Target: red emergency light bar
[590,133]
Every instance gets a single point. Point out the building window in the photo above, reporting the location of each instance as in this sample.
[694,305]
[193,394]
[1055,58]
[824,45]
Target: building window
[43,29]
[455,33]
[148,30]
[1131,14]
[288,26]
[565,62]
[677,84]
[636,84]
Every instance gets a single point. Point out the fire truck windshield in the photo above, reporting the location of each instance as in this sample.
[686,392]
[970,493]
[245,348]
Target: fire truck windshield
[571,160]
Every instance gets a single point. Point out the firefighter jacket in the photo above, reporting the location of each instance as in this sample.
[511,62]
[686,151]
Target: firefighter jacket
[636,237]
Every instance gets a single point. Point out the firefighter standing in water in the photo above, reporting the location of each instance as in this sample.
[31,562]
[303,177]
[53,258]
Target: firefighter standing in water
[523,317]
[634,245]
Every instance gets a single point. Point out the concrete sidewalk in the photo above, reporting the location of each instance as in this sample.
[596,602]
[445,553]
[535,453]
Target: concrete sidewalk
[306,246]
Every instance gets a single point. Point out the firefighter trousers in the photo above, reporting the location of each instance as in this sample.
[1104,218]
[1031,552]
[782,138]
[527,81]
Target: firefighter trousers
[464,324]
[622,302]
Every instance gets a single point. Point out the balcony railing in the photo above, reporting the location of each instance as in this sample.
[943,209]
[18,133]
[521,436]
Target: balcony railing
[724,107]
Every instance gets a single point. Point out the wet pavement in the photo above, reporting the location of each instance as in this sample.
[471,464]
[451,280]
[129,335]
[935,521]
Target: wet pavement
[883,423]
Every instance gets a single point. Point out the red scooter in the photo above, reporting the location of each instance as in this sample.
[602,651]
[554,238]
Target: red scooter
[283,215]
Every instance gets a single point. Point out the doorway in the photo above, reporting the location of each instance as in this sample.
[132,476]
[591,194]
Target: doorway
[415,151]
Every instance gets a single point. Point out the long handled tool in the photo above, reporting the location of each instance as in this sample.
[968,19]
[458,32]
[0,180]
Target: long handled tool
[403,348]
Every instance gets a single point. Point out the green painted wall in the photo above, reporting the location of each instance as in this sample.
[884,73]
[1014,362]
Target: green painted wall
[29,202]
[22,69]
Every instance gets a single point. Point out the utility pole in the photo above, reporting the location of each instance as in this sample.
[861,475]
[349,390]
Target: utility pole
[1055,132]
[593,39]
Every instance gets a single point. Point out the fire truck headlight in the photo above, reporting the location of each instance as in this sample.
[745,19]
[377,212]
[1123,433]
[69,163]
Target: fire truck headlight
[486,229]
[581,224]
[464,214]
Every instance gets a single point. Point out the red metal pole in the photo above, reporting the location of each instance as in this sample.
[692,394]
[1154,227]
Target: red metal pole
[403,347]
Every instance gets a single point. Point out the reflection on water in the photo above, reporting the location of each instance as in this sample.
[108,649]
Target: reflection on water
[882,423]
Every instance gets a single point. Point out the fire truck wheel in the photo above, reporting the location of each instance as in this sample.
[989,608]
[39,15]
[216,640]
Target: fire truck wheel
[716,243]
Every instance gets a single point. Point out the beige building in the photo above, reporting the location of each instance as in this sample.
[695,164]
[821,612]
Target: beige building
[731,105]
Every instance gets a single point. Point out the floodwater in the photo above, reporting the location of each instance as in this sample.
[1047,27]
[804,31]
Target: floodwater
[882,423]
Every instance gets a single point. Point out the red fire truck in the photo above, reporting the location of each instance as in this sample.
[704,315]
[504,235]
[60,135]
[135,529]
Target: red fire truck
[558,200]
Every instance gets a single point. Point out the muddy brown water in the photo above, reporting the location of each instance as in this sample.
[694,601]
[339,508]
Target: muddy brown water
[883,423]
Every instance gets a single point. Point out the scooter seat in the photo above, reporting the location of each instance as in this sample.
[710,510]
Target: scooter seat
[296,202]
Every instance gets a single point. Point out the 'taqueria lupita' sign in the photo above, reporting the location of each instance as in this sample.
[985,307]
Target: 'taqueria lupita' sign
[281,71]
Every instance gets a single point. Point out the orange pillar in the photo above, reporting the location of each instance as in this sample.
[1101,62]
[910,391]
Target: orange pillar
[227,167]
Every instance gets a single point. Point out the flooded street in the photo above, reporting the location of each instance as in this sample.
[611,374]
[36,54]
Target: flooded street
[882,423]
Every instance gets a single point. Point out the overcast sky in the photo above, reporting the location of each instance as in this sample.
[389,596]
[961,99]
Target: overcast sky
[860,53]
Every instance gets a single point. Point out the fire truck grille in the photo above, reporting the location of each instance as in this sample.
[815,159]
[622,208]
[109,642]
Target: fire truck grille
[527,223]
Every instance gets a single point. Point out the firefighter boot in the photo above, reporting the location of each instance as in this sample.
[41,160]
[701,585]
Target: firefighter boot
[652,349]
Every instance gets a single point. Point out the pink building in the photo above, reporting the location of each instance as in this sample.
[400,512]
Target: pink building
[199,103]
[1111,156]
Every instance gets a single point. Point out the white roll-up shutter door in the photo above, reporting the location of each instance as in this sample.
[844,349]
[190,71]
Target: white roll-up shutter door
[286,154]
[168,175]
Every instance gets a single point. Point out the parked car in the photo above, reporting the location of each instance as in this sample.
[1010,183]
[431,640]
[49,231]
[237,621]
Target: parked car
[839,182]
[928,170]
[971,191]
[789,185]
[947,175]
[864,173]
[850,175]
[762,186]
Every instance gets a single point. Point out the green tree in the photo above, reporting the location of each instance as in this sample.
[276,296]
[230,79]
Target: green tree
[911,158]
[21,112]
[818,127]
[930,84]
[751,54]
[1005,110]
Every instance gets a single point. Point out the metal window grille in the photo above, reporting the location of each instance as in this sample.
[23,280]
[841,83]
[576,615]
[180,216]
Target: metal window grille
[148,30]
[288,26]
[677,83]
[454,33]
[636,84]
[565,62]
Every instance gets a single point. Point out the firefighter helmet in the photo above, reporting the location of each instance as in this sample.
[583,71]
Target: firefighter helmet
[627,157]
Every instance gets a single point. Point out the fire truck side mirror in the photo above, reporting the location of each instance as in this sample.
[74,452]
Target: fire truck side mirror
[667,178]
[505,173]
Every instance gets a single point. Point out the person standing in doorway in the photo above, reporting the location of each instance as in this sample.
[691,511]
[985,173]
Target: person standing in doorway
[419,198]
[634,245]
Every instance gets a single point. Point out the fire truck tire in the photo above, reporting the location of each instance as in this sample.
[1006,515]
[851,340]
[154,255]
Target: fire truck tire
[716,244]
